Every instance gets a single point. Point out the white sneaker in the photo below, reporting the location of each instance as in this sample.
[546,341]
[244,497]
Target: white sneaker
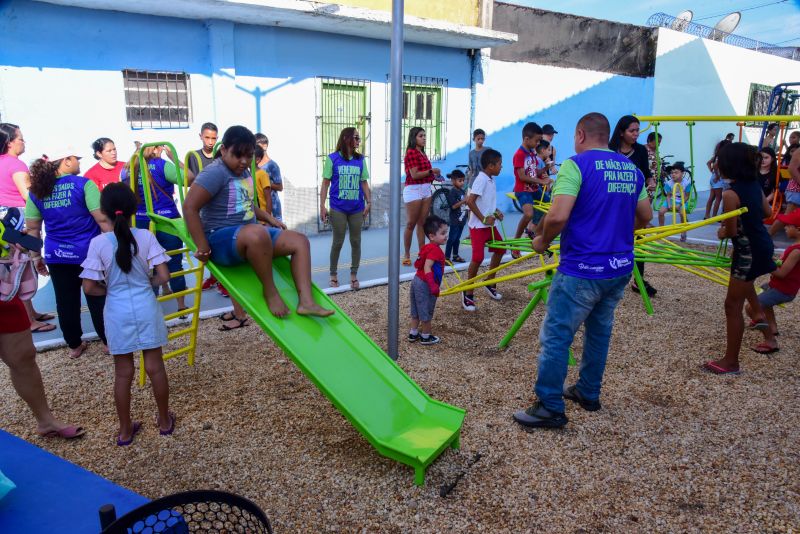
[496,295]
[467,303]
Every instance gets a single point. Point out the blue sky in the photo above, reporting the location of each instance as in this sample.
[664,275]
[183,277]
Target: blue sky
[778,23]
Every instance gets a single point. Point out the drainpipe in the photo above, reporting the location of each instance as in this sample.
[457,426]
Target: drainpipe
[475,65]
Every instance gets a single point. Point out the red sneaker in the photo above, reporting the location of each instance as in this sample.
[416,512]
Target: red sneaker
[209,283]
[222,291]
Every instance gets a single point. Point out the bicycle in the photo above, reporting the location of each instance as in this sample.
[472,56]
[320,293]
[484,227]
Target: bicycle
[440,206]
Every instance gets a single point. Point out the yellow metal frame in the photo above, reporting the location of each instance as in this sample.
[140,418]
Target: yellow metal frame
[196,268]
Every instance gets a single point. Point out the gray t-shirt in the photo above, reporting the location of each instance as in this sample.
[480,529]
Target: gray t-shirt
[232,201]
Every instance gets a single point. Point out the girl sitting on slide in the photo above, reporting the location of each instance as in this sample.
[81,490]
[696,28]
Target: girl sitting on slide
[221,213]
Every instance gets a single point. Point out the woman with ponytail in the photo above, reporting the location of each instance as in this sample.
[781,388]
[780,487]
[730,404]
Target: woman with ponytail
[118,265]
[69,207]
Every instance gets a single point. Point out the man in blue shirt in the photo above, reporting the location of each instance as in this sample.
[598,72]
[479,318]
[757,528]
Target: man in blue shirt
[596,263]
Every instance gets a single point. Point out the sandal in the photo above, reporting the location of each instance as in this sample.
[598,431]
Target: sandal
[171,428]
[406,262]
[760,324]
[764,348]
[44,317]
[45,327]
[354,284]
[458,259]
[137,426]
[715,368]
[242,324]
[68,432]
[227,316]
[334,281]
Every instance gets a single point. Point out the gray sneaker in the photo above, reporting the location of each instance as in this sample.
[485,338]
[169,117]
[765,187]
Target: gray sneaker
[574,395]
[537,416]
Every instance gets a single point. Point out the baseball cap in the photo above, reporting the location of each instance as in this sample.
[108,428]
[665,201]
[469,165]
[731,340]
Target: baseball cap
[792,218]
[62,152]
[548,129]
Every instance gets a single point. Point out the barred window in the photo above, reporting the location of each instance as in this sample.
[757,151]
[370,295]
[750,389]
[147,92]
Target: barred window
[424,105]
[157,99]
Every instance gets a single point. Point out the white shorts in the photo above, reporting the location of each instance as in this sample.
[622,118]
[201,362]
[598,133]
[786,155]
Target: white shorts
[414,192]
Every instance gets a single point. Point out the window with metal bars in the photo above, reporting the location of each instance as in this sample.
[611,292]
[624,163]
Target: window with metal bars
[758,103]
[424,105]
[157,99]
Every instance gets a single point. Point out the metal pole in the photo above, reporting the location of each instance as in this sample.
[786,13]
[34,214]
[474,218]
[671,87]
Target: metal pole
[396,158]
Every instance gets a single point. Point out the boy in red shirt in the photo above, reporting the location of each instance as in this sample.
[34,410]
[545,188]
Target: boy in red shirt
[783,286]
[527,178]
[425,285]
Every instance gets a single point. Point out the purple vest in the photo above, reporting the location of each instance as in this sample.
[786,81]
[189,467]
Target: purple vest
[597,241]
[346,193]
[163,204]
[67,222]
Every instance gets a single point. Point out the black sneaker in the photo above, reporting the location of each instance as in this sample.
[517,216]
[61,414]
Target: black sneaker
[537,416]
[651,291]
[574,395]
[412,337]
[493,292]
[430,340]
[467,302]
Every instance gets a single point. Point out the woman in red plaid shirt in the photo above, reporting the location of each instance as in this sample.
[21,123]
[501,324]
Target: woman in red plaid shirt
[417,190]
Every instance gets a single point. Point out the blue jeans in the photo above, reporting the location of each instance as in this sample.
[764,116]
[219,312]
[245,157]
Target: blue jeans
[453,238]
[574,301]
[175,263]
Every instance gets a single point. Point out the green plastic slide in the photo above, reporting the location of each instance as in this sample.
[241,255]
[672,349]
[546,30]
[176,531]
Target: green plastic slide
[388,408]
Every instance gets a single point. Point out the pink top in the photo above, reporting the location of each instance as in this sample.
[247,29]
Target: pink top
[9,194]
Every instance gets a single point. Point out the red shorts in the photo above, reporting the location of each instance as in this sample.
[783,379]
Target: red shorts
[13,317]
[479,237]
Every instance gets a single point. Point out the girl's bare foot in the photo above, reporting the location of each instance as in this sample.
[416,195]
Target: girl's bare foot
[77,351]
[313,309]
[276,305]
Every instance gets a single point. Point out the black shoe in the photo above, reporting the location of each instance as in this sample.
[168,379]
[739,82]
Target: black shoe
[429,340]
[413,337]
[651,291]
[574,395]
[537,416]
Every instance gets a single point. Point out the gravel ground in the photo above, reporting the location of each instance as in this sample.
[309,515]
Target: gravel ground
[673,449]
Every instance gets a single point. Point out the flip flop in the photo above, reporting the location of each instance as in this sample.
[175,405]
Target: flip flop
[763,348]
[46,327]
[171,428]
[45,317]
[406,262]
[68,432]
[334,281]
[227,316]
[242,324]
[715,368]
[354,284]
[137,426]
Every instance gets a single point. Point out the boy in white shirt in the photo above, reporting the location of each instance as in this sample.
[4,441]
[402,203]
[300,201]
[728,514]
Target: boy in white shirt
[677,176]
[482,203]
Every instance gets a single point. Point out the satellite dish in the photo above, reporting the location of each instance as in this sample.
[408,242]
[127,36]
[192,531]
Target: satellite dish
[725,27]
[682,20]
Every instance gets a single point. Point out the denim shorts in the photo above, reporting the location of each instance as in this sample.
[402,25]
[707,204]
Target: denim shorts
[223,243]
[772,297]
[793,197]
[524,197]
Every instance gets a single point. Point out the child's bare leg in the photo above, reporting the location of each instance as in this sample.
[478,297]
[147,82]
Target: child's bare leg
[661,212]
[253,242]
[772,329]
[472,272]
[296,245]
[414,324]
[494,262]
[527,215]
[154,367]
[123,378]
[738,291]
[717,200]
[425,327]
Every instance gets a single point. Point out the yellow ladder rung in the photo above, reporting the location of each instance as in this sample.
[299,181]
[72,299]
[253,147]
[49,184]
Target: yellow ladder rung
[183,293]
[180,333]
[177,352]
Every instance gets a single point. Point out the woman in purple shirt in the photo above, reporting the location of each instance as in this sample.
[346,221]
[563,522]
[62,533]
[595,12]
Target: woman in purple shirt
[69,207]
